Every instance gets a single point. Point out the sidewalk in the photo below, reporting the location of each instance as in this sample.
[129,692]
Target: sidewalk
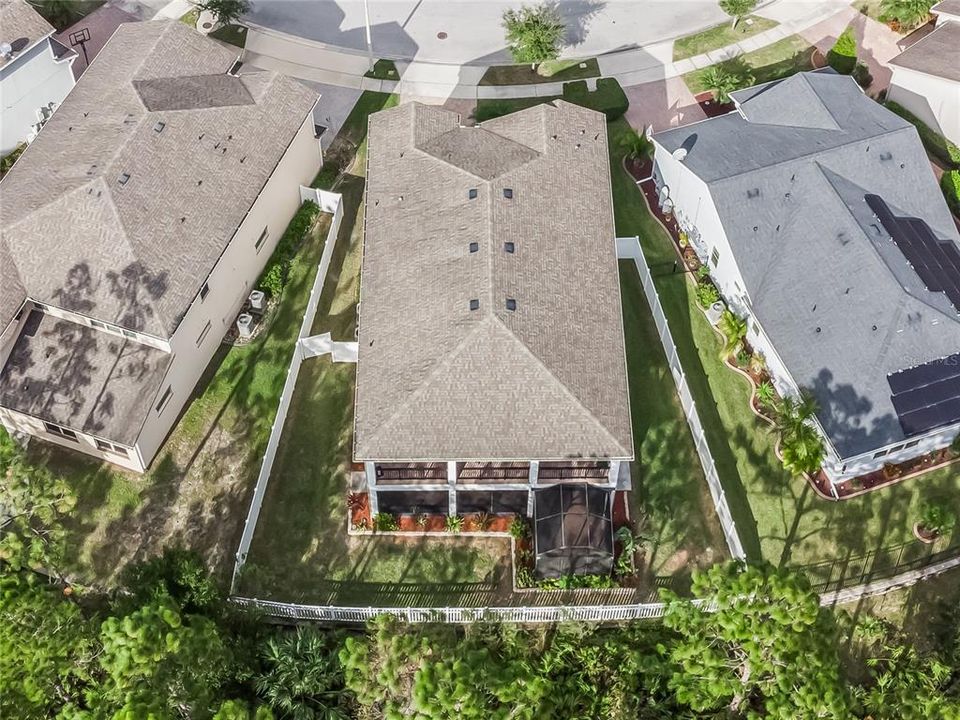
[654,63]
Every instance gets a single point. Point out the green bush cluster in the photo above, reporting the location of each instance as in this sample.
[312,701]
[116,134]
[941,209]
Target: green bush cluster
[274,277]
[935,143]
[609,98]
[950,184]
[842,57]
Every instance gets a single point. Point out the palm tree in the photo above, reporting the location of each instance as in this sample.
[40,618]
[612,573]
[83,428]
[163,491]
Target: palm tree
[636,145]
[765,394]
[800,441]
[734,329]
[303,677]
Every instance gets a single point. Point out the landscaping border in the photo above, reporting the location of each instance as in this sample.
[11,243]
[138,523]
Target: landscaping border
[329,202]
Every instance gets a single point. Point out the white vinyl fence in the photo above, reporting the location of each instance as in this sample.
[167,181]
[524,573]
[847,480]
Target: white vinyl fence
[629,248]
[329,203]
[557,613]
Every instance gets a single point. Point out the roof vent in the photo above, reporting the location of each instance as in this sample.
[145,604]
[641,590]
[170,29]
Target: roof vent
[509,247]
[508,193]
[884,156]
[124,177]
[754,193]
[475,304]
[474,247]
[472,193]
[160,125]
[511,304]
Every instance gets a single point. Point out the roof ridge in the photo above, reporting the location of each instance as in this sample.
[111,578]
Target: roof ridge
[566,390]
[806,156]
[882,260]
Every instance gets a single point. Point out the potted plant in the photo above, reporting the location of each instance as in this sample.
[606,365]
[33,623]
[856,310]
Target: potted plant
[936,518]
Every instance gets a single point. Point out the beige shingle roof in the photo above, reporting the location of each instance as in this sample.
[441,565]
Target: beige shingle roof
[196,146]
[21,26]
[936,54]
[439,381]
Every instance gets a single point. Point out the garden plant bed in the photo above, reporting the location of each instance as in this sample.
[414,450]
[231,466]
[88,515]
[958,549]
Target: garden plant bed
[710,106]
[878,479]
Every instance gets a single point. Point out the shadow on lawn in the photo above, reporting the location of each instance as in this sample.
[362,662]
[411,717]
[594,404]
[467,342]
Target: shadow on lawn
[675,294]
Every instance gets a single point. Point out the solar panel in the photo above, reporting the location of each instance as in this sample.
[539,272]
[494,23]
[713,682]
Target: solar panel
[927,397]
[936,261]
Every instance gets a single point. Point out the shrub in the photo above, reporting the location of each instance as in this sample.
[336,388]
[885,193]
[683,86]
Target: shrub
[842,57]
[572,582]
[609,98]
[518,528]
[707,294]
[936,518]
[950,184]
[277,271]
[861,73]
[483,521]
[908,14]
[454,523]
[936,144]
[385,522]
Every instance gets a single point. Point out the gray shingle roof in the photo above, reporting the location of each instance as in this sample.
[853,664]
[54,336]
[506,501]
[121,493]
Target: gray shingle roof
[135,254]
[838,299]
[947,7]
[937,54]
[439,381]
[21,26]
[81,378]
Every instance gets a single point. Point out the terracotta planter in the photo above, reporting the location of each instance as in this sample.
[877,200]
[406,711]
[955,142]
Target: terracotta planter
[923,536]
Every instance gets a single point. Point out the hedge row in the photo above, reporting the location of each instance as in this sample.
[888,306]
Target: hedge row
[275,274]
[935,143]
[608,98]
[950,184]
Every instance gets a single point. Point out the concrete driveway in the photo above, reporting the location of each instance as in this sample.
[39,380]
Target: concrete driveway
[413,29]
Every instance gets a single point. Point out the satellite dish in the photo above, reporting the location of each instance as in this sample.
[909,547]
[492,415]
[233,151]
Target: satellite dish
[679,154]
[6,49]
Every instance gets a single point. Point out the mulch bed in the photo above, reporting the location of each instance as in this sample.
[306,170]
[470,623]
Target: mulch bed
[711,108]
[887,476]
[639,169]
[360,518]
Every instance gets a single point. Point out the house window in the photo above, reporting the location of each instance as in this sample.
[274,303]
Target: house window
[164,399]
[203,334]
[262,239]
[40,306]
[715,257]
[63,432]
[111,448]
[98,324]
[879,454]
[127,333]
[204,291]
[911,444]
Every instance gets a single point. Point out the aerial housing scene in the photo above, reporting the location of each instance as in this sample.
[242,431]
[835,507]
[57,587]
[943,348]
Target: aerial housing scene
[440,359]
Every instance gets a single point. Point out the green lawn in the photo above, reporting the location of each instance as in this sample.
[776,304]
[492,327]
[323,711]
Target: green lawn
[231,34]
[347,147]
[383,70]
[781,59]
[198,488]
[549,71]
[780,518]
[720,36]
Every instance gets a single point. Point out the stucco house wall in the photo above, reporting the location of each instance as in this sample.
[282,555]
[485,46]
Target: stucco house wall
[32,80]
[230,282]
[934,100]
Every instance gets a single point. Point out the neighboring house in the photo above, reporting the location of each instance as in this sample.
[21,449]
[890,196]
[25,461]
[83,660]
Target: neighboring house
[491,350]
[926,78]
[35,73]
[820,219]
[132,231]
[94,30]
[946,11]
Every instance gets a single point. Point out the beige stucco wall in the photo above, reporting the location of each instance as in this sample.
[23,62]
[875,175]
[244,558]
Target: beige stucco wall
[230,283]
[934,100]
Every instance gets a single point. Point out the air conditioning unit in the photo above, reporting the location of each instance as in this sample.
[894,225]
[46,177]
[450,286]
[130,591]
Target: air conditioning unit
[245,325]
[257,300]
